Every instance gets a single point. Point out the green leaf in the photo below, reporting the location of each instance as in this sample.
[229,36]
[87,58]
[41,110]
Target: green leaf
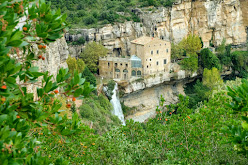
[48,86]
[40,92]
[10,80]
[78,92]
[3,118]
[34,69]
[15,43]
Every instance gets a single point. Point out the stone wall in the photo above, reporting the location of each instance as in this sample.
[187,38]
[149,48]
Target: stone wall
[214,20]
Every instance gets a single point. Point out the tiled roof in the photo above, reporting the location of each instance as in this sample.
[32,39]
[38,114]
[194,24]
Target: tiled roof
[144,40]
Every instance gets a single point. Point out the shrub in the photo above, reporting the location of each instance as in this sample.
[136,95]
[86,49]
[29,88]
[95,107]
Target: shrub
[190,63]
[209,59]
[240,61]
[89,77]
[89,20]
[239,104]
[75,64]
[211,78]
[98,110]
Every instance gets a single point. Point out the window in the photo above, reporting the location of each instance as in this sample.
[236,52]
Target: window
[115,64]
[125,76]
[135,62]
[121,64]
[138,73]
[117,70]
[133,73]
[165,61]
[150,59]
[151,52]
[167,50]
[157,51]
[147,66]
[108,64]
[125,71]
[157,62]
[126,65]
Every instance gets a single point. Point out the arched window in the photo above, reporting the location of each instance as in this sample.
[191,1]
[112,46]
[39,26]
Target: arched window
[133,73]
[117,70]
[138,73]
[125,71]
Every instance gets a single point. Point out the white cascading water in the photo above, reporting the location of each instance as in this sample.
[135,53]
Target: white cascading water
[117,105]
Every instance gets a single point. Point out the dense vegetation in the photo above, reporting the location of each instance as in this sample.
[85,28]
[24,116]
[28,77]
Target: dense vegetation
[92,13]
[177,135]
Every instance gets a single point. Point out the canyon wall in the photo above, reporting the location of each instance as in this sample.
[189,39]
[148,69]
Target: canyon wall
[210,19]
[145,101]
[55,58]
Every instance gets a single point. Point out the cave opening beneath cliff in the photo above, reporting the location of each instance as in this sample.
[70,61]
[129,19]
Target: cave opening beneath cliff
[117,52]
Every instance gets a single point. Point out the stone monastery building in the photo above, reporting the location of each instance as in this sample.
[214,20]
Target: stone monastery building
[149,56]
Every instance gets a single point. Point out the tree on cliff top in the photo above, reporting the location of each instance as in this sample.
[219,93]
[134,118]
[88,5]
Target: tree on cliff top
[91,55]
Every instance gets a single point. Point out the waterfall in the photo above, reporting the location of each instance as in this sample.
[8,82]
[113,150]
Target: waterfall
[117,105]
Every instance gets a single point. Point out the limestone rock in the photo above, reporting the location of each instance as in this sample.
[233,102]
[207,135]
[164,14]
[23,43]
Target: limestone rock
[55,57]
[209,19]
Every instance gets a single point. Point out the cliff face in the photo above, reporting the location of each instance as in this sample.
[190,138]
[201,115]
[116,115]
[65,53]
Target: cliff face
[145,101]
[214,20]
[55,57]
[209,19]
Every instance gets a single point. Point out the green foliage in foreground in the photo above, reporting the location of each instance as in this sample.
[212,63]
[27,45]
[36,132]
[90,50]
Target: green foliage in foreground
[22,113]
[177,135]
[239,105]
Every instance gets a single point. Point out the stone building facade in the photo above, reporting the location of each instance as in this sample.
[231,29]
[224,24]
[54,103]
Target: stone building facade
[148,56]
